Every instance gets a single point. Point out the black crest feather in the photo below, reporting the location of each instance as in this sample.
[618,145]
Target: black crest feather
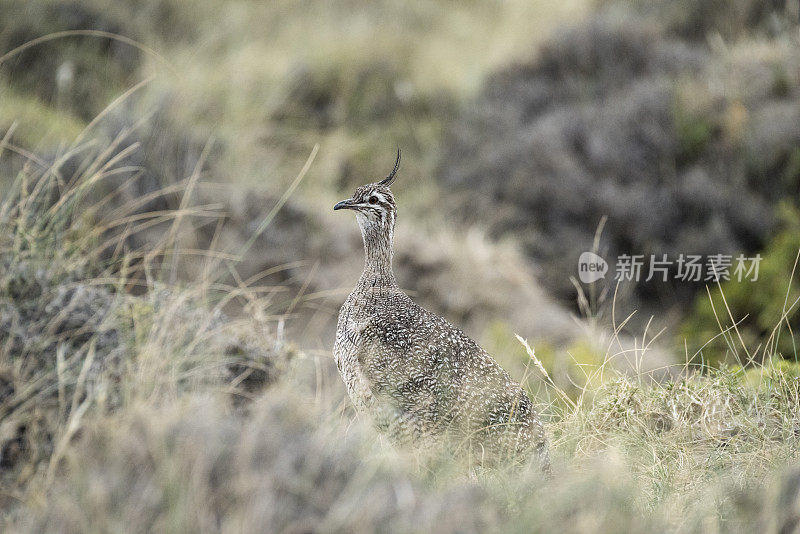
[389,179]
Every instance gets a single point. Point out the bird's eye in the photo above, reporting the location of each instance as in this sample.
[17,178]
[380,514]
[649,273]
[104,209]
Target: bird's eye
[373,199]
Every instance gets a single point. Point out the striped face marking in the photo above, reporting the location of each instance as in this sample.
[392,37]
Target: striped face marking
[374,205]
[376,213]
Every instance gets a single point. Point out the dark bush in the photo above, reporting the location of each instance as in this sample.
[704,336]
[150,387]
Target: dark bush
[684,149]
[696,19]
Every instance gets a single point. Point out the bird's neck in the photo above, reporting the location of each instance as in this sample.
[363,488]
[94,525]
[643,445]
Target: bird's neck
[377,256]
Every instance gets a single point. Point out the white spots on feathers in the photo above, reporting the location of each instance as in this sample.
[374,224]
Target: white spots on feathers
[418,376]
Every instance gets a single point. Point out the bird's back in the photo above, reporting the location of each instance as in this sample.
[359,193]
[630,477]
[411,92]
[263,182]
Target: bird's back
[423,379]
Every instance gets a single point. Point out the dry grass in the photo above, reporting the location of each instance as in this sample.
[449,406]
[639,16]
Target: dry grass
[77,342]
[153,412]
[137,398]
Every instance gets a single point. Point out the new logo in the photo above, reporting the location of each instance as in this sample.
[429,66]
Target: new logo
[591,267]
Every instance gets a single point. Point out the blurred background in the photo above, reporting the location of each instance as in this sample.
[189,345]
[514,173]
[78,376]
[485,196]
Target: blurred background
[171,268]
[523,125]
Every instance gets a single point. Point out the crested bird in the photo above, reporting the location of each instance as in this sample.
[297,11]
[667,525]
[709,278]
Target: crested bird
[420,378]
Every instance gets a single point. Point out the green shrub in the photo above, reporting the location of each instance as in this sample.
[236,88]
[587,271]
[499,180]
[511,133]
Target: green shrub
[757,308]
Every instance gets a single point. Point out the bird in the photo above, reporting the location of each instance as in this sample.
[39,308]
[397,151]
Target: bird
[421,379]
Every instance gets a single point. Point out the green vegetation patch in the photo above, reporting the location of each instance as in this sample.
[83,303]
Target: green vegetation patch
[764,311]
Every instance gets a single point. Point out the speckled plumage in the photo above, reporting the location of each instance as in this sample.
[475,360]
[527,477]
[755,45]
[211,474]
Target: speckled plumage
[418,376]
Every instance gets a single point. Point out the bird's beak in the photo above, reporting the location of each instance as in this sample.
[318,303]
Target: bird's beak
[348,204]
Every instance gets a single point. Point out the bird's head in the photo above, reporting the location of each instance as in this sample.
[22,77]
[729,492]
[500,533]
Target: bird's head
[374,203]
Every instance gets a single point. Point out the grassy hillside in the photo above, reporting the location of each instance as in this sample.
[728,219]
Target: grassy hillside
[132,402]
[170,269]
